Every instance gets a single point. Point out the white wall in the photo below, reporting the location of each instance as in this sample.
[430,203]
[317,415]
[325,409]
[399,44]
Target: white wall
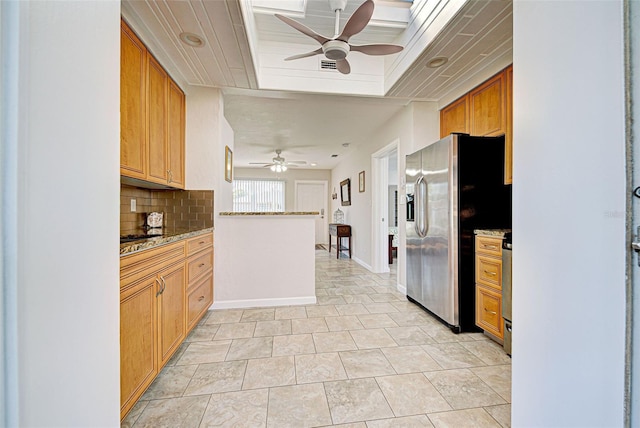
[68,198]
[568,215]
[289,177]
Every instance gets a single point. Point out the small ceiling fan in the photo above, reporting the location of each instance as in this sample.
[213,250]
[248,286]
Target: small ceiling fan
[279,164]
[338,47]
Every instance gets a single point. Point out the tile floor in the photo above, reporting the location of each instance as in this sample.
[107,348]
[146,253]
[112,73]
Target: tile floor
[363,357]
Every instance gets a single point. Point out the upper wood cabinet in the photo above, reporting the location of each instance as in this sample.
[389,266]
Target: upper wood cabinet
[486,111]
[152,117]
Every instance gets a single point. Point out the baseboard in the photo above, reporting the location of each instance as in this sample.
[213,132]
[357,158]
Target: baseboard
[401,288]
[363,264]
[260,303]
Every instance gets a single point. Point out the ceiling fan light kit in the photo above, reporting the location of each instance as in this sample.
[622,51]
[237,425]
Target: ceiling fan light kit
[279,164]
[337,48]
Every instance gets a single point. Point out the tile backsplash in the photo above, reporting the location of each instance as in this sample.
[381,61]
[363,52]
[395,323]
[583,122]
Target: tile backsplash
[183,209]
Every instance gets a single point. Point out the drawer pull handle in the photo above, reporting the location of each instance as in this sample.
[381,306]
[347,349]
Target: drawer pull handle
[489,247]
[201,242]
[200,299]
[200,265]
[491,312]
[490,273]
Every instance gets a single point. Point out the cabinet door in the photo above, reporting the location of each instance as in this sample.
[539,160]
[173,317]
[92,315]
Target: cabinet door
[138,356]
[508,153]
[171,311]
[489,311]
[132,104]
[158,83]
[176,135]
[487,107]
[455,117]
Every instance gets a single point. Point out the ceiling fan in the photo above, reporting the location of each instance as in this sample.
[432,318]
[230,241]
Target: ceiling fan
[279,164]
[338,47]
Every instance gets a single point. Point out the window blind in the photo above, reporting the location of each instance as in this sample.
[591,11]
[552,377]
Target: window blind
[255,195]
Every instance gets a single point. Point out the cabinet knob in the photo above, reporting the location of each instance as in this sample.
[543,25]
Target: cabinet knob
[200,299]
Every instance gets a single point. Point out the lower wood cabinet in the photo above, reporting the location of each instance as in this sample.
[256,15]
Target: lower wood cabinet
[158,307]
[489,285]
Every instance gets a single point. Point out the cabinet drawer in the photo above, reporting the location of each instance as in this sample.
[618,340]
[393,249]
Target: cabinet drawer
[198,265]
[200,298]
[489,311]
[143,263]
[489,245]
[489,271]
[199,243]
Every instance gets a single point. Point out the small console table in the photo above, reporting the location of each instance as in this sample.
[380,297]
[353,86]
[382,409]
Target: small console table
[339,231]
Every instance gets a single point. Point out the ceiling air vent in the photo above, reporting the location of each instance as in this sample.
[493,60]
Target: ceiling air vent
[326,64]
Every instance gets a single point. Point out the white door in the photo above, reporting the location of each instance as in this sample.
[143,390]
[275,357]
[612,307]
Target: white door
[312,196]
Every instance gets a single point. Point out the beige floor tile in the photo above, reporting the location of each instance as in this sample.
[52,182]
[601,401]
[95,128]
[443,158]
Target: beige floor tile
[178,354]
[418,421]
[488,351]
[366,363]
[452,355]
[330,300]
[384,297]
[409,335]
[309,325]
[357,298]
[293,344]
[356,400]
[334,342]
[204,352]
[352,309]
[410,359]
[372,338]
[235,331]
[224,316]
[322,311]
[170,383]
[470,418]
[463,389]
[272,328]
[217,377]
[501,413]
[447,335]
[319,368]
[410,318]
[202,333]
[183,412]
[411,394]
[134,414]
[237,409]
[498,378]
[380,308]
[298,406]
[290,312]
[260,314]
[376,321]
[347,322]
[253,347]
[269,372]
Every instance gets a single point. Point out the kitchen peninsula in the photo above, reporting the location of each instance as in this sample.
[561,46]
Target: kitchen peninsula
[268,259]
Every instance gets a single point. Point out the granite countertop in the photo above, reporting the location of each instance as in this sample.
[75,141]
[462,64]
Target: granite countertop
[168,235]
[492,232]
[231,213]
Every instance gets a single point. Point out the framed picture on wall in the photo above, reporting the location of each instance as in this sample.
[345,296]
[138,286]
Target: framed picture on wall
[361,182]
[228,164]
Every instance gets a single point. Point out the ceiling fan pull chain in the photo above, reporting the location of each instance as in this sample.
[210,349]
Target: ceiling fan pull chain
[336,32]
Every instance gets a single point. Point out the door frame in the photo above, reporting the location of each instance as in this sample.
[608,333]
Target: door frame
[380,205]
[325,184]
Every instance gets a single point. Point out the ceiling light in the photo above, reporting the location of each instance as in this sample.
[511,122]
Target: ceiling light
[438,61]
[278,168]
[345,145]
[192,39]
[313,164]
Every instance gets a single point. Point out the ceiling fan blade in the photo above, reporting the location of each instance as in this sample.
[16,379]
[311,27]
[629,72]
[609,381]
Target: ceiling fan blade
[304,55]
[377,49]
[358,21]
[296,162]
[302,28]
[259,163]
[343,66]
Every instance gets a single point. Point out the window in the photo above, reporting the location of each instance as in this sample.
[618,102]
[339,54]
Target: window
[255,195]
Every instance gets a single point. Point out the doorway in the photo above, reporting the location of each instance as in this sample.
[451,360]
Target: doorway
[311,195]
[384,172]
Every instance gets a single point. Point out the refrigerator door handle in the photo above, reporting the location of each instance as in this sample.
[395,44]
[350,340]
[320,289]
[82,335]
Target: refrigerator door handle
[422,215]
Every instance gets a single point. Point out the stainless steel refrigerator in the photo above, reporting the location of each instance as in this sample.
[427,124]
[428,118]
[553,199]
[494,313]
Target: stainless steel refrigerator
[453,186]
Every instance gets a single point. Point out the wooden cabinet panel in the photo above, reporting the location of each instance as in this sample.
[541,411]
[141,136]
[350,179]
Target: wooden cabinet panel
[200,298]
[489,271]
[176,125]
[157,89]
[199,265]
[138,362]
[489,311]
[489,246]
[487,107]
[508,153]
[455,117]
[133,104]
[199,243]
[171,311]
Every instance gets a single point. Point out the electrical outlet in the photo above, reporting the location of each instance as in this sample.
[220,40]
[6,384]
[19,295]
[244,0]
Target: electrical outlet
[133,205]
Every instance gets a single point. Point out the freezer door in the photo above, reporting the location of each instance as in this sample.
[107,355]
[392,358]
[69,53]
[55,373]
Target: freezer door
[413,243]
[438,288]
